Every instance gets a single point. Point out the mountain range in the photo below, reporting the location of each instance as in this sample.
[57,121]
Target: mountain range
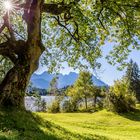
[42,81]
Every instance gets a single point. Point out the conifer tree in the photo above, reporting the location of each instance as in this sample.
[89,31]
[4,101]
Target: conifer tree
[133,77]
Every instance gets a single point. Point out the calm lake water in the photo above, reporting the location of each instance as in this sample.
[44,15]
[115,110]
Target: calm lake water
[31,102]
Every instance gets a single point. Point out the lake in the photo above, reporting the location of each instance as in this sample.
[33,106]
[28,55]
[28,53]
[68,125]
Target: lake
[31,102]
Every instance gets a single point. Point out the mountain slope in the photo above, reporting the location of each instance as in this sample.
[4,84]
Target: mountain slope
[42,80]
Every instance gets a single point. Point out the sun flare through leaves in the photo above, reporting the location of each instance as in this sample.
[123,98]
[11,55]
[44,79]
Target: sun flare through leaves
[7,5]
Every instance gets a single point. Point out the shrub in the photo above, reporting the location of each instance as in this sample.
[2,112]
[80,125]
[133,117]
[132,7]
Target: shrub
[120,99]
[100,104]
[67,106]
[119,103]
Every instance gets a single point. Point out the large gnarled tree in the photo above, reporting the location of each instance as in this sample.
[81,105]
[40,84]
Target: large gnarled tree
[66,30]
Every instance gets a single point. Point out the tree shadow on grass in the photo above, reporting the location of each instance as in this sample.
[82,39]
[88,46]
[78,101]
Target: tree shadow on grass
[21,125]
[135,115]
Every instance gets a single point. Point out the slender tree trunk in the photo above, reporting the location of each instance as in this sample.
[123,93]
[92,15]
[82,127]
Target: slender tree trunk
[94,101]
[86,106]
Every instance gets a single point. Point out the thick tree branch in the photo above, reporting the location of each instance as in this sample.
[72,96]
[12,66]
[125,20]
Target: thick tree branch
[7,52]
[12,49]
[55,9]
[58,8]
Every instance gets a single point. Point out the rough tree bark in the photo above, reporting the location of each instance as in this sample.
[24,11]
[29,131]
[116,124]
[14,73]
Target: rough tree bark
[12,88]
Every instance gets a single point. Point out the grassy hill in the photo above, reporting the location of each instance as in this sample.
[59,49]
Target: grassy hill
[103,125]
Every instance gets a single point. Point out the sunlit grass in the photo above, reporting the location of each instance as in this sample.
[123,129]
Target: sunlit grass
[103,125]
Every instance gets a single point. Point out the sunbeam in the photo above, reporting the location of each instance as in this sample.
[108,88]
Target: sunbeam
[8,5]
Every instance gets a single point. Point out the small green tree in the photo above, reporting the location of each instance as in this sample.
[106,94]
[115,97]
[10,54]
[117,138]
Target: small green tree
[120,98]
[82,88]
[74,95]
[53,85]
[84,85]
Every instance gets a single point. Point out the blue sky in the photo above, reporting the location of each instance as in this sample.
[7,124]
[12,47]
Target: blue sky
[110,73]
[107,73]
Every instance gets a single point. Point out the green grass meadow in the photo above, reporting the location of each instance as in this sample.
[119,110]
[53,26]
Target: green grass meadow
[102,125]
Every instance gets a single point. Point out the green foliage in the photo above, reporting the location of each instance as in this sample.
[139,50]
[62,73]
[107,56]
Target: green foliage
[84,84]
[74,95]
[120,99]
[53,86]
[113,21]
[5,65]
[85,32]
[133,77]
[67,106]
[96,92]
[83,89]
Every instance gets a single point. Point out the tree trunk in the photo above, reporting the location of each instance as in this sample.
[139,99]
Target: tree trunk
[94,101]
[86,103]
[12,88]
